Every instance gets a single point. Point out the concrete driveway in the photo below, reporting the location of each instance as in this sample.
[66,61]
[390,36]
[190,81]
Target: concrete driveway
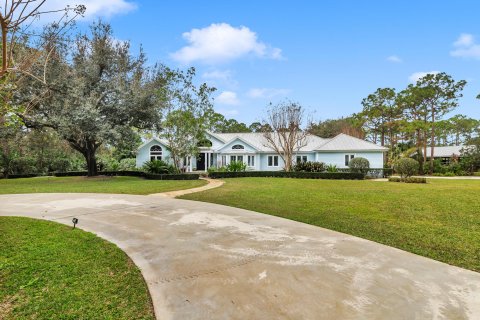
[206,261]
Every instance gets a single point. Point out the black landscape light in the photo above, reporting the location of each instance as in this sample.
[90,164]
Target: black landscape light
[75,221]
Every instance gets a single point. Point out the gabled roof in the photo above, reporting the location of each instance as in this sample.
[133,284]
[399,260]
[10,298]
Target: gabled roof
[161,141]
[445,152]
[238,139]
[258,141]
[344,142]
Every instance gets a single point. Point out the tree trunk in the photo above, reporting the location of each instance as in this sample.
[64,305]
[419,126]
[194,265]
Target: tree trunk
[91,163]
[432,142]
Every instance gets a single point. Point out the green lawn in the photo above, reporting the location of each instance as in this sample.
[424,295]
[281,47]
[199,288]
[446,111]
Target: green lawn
[49,271]
[128,185]
[440,220]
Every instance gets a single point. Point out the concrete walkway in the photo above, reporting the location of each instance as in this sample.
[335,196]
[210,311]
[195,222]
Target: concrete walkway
[211,184]
[206,261]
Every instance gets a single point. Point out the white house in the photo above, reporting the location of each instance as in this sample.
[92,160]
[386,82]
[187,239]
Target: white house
[252,148]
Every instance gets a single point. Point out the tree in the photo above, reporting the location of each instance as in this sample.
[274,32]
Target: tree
[441,94]
[218,123]
[16,16]
[380,115]
[189,114]
[97,93]
[23,48]
[286,137]
[258,127]
[332,127]
[470,157]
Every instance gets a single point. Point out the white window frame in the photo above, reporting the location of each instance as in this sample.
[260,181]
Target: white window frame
[272,162]
[238,147]
[156,155]
[251,160]
[236,158]
[347,158]
[302,159]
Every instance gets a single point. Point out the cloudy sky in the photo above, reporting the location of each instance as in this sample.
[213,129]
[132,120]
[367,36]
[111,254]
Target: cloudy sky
[327,54]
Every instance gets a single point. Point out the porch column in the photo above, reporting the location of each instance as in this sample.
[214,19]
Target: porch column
[207,159]
[191,164]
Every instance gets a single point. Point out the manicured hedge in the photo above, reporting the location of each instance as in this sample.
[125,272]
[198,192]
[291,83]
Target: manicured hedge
[283,174]
[142,174]
[70,174]
[408,179]
[130,173]
[25,175]
[184,176]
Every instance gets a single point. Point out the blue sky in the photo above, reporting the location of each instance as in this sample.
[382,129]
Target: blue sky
[327,54]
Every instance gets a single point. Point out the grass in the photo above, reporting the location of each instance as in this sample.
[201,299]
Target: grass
[439,220]
[126,185]
[49,271]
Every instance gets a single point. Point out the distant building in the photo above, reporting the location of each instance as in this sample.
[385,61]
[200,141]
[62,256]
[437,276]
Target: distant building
[445,154]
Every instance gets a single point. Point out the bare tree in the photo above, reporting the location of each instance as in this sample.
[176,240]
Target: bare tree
[16,19]
[286,136]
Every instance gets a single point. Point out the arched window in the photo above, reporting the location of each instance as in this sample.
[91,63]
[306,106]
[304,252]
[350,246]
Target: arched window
[204,143]
[155,153]
[238,147]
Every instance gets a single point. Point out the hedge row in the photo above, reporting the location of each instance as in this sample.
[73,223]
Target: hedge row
[179,176]
[132,174]
[283,174]
[408,180]
[25,175]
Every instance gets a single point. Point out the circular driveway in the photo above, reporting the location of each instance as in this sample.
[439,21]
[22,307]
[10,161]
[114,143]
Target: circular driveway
[207,261]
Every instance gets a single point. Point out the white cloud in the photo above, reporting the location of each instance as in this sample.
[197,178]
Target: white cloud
[465,47]
[414,77]
[464,40]
[228,98]
[394,58]
[217,75]
[257,93]
[95,8]
[221,43]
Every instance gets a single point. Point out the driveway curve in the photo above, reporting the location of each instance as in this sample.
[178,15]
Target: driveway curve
[207,261]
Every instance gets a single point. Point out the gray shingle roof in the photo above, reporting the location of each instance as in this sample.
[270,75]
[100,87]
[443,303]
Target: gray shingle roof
[344,142]
[341,142]
[445,152]
[258,141]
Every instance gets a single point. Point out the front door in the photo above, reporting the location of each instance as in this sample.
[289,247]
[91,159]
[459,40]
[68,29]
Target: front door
[201,161]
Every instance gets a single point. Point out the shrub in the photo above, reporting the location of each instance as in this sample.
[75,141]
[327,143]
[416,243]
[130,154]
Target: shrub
[408,180]
[291,174]
[406,167]
[158,167]
[332,168]
[236,166]
[217,169]
[477,173]
[395,179]
[359,164]
[309,166]
[70,174]
[127,164]
[415,180]
[178,176]
[449,174]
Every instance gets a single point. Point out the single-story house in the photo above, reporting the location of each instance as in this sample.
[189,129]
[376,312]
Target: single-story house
[445,153]
[252,148]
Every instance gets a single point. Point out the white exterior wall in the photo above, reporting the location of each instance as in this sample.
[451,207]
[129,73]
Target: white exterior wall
[338,158]
[143,154]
